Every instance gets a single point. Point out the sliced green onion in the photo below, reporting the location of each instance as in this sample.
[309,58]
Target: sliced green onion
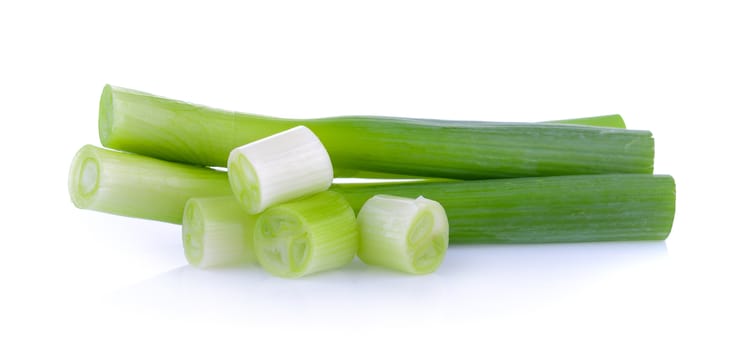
[582,208]
[217,232]
[306,236]
[404,234]
[138,186]
[279,168]
[179,131]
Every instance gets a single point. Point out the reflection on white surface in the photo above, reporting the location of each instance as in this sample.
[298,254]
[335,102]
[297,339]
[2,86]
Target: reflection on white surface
[474,280]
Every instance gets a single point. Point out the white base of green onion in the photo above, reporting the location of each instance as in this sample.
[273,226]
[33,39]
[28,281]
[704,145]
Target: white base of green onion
[279,168]
[306,236]
[217,232]
[404,234]
[137,186]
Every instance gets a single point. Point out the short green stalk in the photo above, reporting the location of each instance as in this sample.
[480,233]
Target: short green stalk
[138,186]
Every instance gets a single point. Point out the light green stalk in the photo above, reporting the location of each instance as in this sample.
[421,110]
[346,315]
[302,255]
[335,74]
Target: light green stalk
[178,131]
[138,186]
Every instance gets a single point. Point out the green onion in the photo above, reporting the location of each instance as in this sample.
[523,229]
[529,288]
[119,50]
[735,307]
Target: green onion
[582,208]
[609,121]
[138,186]
[279,168]
[216,232]
[306,236]
[527,210]
[404,234]
[179,131]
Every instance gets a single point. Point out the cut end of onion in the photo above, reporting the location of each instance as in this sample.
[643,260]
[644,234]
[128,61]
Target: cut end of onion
[193,229]
[306,236]
[285,244]
[245,183]
[84,177]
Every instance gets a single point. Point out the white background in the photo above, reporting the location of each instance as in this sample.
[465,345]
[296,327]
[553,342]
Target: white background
[81,279]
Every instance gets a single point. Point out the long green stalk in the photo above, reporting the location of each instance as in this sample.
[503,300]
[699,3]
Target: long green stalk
[138,186]
[580,208]
[178,131]
[606,121]
[527,210]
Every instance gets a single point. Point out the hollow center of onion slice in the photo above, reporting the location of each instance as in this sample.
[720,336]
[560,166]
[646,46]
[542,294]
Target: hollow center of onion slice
[88,177]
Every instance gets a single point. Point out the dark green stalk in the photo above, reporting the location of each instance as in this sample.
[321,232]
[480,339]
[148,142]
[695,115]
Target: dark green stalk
[583,208]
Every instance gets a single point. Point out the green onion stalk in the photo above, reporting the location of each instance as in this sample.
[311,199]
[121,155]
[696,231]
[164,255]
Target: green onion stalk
[579,208]
[137,186]
[172,130]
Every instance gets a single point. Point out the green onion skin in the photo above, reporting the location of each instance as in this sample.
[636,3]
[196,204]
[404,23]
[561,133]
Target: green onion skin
[582,208]
[216,232]
[306,236]
[138,186]
[605,121]
[178,131]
